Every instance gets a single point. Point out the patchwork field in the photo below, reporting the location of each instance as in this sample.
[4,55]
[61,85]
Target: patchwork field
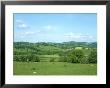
[68,58]
[53,68]
[55,44]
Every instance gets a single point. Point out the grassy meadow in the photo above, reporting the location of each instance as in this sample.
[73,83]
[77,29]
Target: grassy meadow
[53,68]
[54,59]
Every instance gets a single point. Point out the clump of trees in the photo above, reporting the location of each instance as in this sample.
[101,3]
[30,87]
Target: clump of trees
[63,56]
[31,52]
[27,58]
[92,58]
[75,56]
[78,56]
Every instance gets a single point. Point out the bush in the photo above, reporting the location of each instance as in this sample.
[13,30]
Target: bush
[84,60]
[34,58]
[33,68]
[75,56]
[26,58]
[63,58]
[22,58]
[92,58]
[73,59]
[52,59]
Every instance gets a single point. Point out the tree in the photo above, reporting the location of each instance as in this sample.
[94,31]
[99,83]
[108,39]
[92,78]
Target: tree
[63,56]
[84,60]
[33,58]
[72,59]
[92,58]
[75,56]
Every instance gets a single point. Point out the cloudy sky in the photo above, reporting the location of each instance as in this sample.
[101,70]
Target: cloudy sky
[55,27]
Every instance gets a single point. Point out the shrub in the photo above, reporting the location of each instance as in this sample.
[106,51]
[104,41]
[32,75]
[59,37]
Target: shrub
[33,68]
[84,60]
[73,59]
[26,58]
[92,58]
[75,56]
[52,59]
[63,58]
[34,58]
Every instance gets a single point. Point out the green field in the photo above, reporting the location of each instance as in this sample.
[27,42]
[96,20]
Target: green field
[53,68]
[47,58]
[55,58]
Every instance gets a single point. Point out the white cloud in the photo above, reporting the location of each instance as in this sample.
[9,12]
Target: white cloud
[78,36]
[19,21]
[21,24]
[72,35]
[37,32]
[29,33]
[48,28]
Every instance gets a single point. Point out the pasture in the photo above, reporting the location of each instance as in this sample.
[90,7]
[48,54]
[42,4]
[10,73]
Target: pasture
[54,58]
[53,68]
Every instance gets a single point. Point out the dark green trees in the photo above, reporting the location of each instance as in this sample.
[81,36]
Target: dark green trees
[78,56]
[63,56]
[75,56]
[65,52]
[27,58]
[92,58]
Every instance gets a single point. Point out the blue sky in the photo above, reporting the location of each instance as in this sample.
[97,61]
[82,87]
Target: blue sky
[55,27]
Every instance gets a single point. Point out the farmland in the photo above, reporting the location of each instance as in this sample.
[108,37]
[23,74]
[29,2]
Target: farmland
[67,58]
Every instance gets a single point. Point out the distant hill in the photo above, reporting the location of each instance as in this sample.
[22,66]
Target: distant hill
[81,44]
[63,44]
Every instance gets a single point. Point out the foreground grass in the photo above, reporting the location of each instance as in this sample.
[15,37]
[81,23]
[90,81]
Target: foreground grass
[53,68]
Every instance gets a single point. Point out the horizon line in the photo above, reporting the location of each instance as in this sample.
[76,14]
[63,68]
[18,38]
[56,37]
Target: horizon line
[55,42]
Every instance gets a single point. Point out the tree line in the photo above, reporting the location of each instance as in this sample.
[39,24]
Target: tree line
[30,52]
[78,56]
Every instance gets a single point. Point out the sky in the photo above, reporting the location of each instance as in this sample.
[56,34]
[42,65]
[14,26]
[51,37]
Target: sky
[55,27]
